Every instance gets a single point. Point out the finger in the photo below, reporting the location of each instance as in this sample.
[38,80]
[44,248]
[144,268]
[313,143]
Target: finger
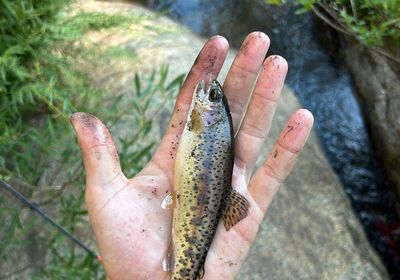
[206,66]
[280,162]
[243,73]
[257,121]
[100,156]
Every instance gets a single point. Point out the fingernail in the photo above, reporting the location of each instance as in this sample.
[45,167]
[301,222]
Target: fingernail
[86,120]
[73,118]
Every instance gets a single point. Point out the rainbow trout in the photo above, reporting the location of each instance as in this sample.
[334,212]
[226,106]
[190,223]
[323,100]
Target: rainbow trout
[202,183]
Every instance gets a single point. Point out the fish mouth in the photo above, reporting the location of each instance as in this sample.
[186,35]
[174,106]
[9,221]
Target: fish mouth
[214,84]
[202,92]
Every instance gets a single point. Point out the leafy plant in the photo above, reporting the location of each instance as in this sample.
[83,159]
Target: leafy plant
[41,84]
[145,109]
[374,23]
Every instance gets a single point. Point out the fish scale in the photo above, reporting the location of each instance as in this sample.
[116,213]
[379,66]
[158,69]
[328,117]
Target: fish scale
[202,181]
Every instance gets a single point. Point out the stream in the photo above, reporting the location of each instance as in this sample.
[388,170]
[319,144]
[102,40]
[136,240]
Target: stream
[323,86]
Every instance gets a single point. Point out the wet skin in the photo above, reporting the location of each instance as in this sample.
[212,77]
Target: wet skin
[131,229]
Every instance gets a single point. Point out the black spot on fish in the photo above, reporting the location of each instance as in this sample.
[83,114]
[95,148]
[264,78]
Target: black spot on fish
[201,198]
[196,221]
[189,253]
[184,272]
[191,240]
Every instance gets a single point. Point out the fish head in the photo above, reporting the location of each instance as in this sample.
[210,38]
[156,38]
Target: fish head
[209,106]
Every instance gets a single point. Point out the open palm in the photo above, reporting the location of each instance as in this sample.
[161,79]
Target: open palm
[131,229]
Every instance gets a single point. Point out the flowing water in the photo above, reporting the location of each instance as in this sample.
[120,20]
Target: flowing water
[322,85]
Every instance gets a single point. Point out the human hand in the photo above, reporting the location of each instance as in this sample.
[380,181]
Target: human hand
[131,229]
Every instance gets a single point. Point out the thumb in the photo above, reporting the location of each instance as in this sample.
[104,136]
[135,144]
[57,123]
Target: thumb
[100,156]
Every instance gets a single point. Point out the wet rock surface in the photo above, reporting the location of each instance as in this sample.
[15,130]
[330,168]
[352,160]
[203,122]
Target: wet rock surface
[310,231]
[378,83]
[378,91]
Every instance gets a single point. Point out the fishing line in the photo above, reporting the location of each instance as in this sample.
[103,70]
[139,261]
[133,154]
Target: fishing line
[47,218]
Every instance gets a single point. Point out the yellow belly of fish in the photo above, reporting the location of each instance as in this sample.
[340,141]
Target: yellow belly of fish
[202,183]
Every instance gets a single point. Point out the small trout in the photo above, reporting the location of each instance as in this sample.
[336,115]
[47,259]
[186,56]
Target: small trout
[202,183]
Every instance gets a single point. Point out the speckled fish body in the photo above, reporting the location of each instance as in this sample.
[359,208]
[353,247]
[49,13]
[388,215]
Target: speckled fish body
[202,179]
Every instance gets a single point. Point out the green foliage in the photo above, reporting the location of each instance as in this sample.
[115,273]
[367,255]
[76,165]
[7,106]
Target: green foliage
[372,22]
[145,109]
[38,76]
[41,84]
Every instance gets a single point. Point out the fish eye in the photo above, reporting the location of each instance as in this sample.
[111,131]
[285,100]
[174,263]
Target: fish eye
[214,95]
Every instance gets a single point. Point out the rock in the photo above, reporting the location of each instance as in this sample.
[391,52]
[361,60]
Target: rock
[378,86]
[310,231]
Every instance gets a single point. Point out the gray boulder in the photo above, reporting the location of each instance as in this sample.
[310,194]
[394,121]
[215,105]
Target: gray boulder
[377,79]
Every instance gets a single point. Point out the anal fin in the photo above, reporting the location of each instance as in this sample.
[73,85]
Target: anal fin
[236,209]
[169,259]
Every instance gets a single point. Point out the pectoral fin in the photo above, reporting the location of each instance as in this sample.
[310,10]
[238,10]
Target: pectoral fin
[170,201]
[236,209]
